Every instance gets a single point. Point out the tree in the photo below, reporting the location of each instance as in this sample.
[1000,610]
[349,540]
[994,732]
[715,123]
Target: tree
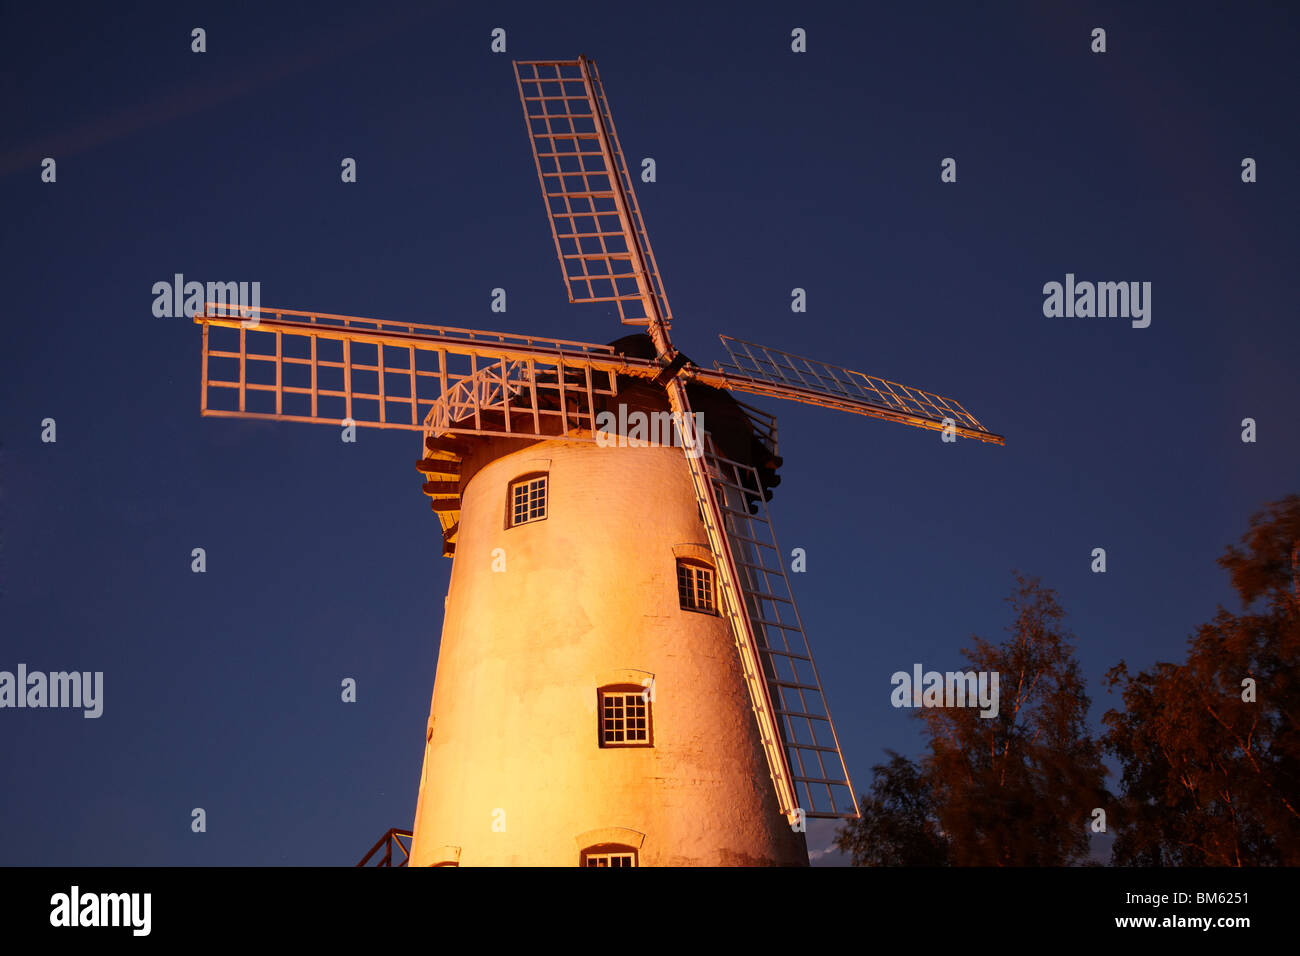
[1015,789]
[899,826]
[1210,749]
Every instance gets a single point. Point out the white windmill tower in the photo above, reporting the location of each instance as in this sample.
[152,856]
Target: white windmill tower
[623,678]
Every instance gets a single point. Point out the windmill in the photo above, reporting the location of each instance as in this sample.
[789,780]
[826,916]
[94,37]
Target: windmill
[623,678]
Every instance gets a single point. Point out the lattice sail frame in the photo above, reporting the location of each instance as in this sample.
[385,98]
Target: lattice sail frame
[577,167]
[290,365]
[760,370]
[794,691]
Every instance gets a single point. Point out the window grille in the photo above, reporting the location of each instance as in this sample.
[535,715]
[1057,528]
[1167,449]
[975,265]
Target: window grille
[695,587]
[528,500]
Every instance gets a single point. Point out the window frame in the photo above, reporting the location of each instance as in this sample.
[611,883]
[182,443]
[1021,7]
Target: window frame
[624,690]
[599,850]
[694,566]
[527,479]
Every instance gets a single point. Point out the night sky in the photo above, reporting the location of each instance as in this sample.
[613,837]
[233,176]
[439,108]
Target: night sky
[775,170]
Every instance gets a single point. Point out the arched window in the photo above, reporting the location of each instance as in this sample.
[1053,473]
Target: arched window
[609,846]
[609,854]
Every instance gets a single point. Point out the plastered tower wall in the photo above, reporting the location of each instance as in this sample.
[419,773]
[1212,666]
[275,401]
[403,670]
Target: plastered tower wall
[513,771]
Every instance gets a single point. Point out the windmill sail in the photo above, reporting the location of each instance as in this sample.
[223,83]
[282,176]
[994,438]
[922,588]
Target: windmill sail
[288,365]
[604,251]
[811,747]
[760,370]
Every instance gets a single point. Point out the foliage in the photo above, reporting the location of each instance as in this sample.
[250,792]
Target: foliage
[1209,749]
[1015,789]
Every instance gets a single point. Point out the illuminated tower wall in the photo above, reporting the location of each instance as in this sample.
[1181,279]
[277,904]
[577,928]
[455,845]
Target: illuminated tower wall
[514,773]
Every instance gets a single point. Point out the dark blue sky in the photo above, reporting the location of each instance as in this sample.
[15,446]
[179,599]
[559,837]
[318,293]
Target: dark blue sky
[775,170]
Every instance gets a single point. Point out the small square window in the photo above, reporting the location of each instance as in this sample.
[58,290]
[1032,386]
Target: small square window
[695,587]
[528,500]
[624,718]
